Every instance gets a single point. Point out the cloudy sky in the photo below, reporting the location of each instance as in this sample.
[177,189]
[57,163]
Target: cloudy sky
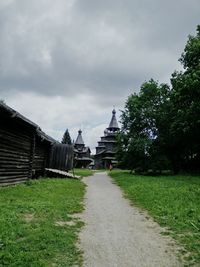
[66,63]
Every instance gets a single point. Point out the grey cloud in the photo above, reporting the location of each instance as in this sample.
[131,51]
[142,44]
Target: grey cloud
[100,48]
[65,64]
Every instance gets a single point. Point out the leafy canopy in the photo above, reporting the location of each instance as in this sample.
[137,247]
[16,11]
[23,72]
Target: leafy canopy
[161,125]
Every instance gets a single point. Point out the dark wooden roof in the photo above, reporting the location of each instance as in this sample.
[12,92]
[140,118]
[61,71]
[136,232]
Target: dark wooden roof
[113,123]
[45,137]
[83,150]
[13,114]
[107,141]
[79,139]
[16,115]
[101,152]
[108,158]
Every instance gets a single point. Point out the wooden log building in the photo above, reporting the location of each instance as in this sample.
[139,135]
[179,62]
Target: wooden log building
[25,150]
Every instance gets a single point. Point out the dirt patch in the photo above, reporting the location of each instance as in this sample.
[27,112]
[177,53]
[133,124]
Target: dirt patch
[63,223]
[29,217]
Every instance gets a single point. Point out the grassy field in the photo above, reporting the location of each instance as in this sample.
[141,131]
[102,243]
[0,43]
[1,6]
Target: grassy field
[83,172]
[173,201]
[36,223]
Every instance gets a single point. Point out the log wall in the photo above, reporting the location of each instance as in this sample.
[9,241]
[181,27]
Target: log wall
[41,157]
[25,150]
[61,157]
[15,153]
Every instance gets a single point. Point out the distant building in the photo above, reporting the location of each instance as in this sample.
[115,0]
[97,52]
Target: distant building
[106,149]
[82,153]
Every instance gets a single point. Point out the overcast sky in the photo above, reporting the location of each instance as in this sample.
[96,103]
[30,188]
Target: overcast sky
[66,63]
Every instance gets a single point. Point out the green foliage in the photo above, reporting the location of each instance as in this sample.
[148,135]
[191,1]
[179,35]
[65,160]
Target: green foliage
[29,234]
[66,138]
[83,172]
[185,99]
[161,126]
[142,122]
[191,55]
[173,201]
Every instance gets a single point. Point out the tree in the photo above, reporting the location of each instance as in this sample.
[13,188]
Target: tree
[185,99]
[162,125]
[141,122]
[66,138]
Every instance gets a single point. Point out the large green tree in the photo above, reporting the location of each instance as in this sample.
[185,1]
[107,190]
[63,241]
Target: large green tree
[142,122]
[161,126]
[185,99]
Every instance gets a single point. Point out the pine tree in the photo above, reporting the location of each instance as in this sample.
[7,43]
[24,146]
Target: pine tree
[66,138]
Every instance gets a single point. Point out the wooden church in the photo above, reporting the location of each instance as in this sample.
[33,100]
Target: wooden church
[106,149]
[82,153]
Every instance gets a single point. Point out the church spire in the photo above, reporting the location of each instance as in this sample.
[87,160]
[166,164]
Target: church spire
[113,123]
[79,139]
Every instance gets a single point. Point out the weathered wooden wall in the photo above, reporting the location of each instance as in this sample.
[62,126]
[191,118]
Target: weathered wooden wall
[15,153]
[25,150]
[41,157]
[23,154]
[61,157]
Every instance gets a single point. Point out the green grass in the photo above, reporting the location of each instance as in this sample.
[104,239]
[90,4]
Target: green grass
[29,213]
[100,170]
[83,172]
[173,201]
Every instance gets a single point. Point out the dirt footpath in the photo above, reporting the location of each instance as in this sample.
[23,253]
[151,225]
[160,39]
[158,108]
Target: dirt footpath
[118,235]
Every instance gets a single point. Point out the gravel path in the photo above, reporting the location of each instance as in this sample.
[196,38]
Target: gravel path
[118,235]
